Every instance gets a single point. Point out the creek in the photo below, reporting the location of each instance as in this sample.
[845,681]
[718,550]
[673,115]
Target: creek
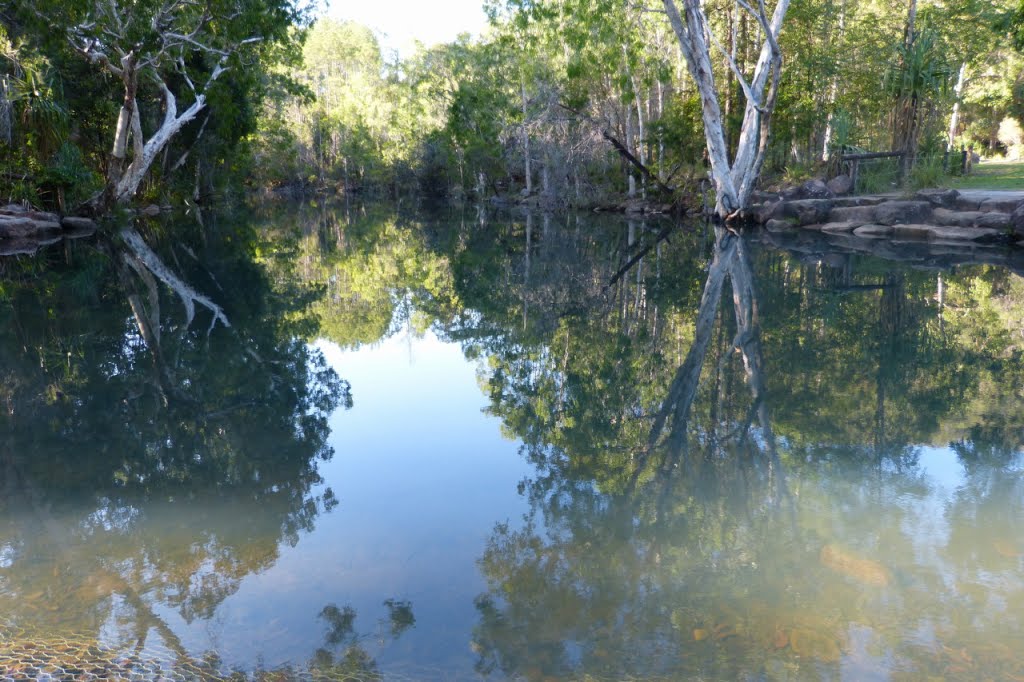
[461,445]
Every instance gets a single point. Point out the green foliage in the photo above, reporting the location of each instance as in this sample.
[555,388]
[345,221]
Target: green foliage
[927,172]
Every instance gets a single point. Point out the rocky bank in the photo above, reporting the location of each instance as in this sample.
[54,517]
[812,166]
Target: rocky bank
[934,215]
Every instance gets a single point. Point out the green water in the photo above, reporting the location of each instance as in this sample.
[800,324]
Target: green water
[464,445]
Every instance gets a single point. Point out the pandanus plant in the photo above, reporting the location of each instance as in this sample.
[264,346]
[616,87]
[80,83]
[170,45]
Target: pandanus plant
[919,77]
[32,116]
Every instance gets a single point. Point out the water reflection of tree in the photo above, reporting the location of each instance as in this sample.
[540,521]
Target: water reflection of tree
[667,557]
[117,501]
[343,655]
[635,552]
[593,594]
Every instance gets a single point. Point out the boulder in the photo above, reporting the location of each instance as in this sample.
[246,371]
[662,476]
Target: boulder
[1017,221]
[816,189]
[150,211]
[994,220]
[840,185]
[812,189]
[759,197]
[855,214]
[19,211]
[803,211]
[1001,205]
[963,203]
[893,212]
[913,231]
[945,198]
[843,202]
[944,216]
[761,213]
[27,225]
[873,231]
[78,223]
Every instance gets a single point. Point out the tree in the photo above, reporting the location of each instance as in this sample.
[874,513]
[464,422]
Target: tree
[162,51]
[733,181]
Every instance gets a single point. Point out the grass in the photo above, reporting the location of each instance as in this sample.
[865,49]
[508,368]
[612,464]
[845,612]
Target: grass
[992,175]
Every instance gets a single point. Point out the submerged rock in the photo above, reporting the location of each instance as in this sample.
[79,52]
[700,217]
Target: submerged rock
[867,571]
[814,644]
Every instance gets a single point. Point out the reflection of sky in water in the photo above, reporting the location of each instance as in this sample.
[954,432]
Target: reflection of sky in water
[941,468]
[421,476]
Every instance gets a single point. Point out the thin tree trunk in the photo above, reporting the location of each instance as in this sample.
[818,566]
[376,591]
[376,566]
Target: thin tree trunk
[526,139]
[954,119]
[833,89]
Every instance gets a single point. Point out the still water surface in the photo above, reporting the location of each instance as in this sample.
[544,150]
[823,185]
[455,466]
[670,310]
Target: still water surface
[452,447]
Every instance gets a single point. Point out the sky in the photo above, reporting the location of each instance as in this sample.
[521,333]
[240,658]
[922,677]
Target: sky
[400,22]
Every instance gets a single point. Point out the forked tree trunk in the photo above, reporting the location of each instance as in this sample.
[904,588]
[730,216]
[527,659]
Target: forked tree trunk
[124,176]
[734,181]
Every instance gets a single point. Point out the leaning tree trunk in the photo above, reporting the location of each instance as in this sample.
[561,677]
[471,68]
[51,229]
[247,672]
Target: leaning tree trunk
[124,176]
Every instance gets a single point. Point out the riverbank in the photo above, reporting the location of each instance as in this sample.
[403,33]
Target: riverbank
[990,216]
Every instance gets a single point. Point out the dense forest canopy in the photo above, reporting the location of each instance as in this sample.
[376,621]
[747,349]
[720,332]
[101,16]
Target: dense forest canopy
[559,101]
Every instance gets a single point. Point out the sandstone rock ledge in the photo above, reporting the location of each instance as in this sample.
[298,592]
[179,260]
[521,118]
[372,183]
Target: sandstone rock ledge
[24,230]
[933,215]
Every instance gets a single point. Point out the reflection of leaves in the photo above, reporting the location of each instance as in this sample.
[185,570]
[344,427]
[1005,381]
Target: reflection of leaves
[340,623]
[400,616]
[354,662]
[156,490]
